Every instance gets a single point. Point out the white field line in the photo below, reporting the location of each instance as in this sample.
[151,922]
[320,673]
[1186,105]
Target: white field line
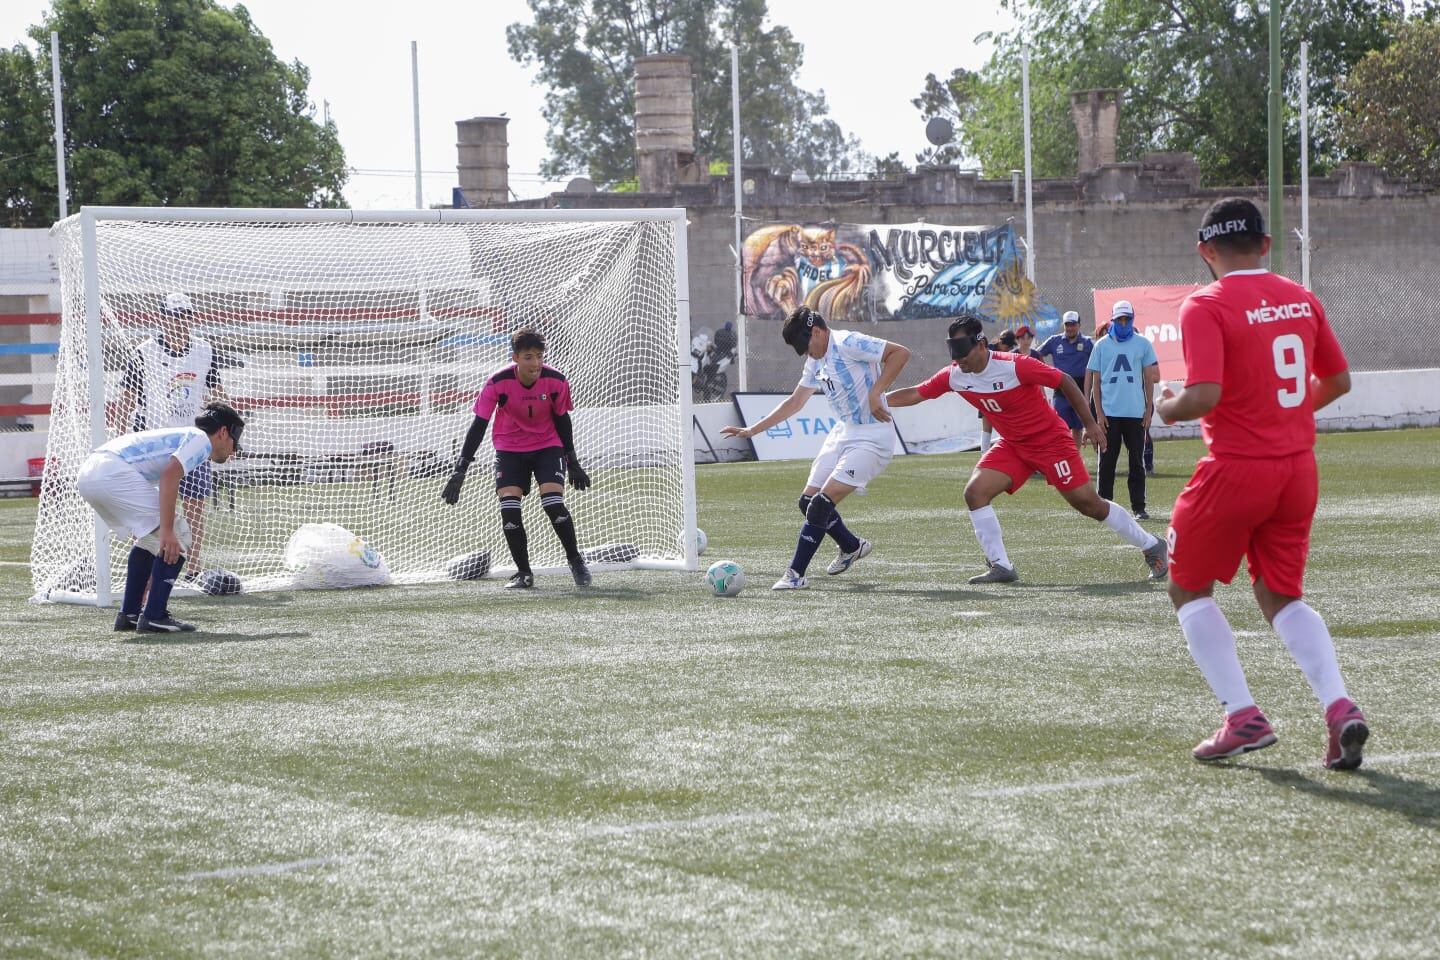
[1027,789]
[14,563]
[1400,758]
[696,823]
[727,819]
[263,869]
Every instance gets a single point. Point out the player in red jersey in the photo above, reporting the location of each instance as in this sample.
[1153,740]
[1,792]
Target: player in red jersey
[1006,388]
[1260,359]
[530,404]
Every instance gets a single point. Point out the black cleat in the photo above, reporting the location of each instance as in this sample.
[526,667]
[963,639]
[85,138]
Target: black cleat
[125,622]
[581,573]
[1141,515]
[521,581]
[165,624]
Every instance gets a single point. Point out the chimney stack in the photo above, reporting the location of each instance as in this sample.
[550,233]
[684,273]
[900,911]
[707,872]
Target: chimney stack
[664,120]
[1097,118]
[484,160]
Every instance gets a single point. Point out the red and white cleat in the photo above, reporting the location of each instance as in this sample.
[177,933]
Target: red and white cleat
[1348,734]
[1243,731]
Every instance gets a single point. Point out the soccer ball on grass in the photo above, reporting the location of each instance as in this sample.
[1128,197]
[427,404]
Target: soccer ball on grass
[725,578]
[701,542]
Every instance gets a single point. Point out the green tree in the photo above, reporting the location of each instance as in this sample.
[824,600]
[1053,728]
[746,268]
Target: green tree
[1194,76]
[585,51]
[1392,106]
[167,102]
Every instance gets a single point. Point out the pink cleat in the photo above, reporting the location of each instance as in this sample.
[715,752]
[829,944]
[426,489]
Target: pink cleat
[1243,731]
[1348,734]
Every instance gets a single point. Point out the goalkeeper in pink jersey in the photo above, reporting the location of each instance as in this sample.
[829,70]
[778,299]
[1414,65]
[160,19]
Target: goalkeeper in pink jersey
[530,404]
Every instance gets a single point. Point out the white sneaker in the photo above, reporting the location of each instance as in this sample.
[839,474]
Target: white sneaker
[845,560]
[791,581]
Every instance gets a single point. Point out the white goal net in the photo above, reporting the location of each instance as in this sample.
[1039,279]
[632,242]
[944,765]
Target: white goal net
[354,345]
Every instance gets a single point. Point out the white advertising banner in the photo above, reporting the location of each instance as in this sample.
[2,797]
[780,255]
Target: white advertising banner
[798,438]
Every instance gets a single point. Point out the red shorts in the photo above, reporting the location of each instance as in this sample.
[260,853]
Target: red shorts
[1258,509]
[1060,462]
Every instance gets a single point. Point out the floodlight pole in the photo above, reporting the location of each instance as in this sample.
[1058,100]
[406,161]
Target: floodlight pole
[1029,205]
[736,173]
[1277,165]
[415,88]
[1305,163]
[60,188]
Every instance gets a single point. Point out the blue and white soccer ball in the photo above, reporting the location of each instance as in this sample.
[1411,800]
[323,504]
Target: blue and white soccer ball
[701,542]
[725,578]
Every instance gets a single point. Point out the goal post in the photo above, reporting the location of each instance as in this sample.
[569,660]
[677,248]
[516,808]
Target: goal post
[354,343]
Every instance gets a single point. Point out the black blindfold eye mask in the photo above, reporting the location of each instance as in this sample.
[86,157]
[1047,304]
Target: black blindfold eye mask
[961,346]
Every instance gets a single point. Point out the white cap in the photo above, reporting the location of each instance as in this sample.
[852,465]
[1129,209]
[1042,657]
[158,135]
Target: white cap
[1071,316]
[177,303]
[1122,308]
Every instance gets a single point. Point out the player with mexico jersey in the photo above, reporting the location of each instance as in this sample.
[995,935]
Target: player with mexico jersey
[1260,359]
[530,404]
[853,369]
[1007,388]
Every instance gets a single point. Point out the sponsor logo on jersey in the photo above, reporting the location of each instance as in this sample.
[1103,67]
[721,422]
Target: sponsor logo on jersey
[1283,311]
[998,385]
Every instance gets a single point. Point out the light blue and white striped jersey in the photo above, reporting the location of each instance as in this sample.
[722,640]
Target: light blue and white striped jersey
[149,450]
[846,373]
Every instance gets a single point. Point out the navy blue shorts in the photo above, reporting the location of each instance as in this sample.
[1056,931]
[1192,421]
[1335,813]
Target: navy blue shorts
[1068,414]
[195,485]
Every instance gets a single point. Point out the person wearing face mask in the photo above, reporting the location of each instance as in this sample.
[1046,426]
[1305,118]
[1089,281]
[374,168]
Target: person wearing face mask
[1125,370]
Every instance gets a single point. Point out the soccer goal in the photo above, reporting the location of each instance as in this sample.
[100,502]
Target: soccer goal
[354,344]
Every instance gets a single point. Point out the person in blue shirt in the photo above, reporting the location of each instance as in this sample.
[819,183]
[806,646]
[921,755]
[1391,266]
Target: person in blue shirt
[1070,353]
[1125,370]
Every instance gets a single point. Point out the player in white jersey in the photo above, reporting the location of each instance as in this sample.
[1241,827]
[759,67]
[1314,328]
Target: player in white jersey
[133,482]
[854,370]
[167,381]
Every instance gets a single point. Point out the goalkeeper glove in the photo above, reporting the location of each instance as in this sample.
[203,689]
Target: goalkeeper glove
[579,479]
[451,493]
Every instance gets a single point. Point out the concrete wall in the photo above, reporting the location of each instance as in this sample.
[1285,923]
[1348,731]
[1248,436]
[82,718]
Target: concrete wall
[1374,266]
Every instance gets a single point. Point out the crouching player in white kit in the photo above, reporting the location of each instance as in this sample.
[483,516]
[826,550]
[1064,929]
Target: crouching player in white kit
[854,370]
[132,482]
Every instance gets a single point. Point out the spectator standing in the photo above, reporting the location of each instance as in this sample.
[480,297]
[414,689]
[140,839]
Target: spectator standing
[1069,352]
[1125,370]
[1025,343]
[168,380]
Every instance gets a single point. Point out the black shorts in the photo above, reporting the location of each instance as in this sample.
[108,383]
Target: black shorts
[515,469]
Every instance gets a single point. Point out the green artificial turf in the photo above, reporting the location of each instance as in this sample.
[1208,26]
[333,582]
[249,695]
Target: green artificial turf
[892,763]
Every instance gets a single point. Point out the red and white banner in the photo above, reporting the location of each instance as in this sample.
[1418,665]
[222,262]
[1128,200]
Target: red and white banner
[1157,319]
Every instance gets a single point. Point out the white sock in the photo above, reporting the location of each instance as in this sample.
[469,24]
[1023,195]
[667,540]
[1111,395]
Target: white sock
[1120,520]
[984,442]
[1308,639]
[1212,646]
[987,531]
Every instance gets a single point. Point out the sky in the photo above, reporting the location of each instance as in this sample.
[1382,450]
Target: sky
[358,52]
